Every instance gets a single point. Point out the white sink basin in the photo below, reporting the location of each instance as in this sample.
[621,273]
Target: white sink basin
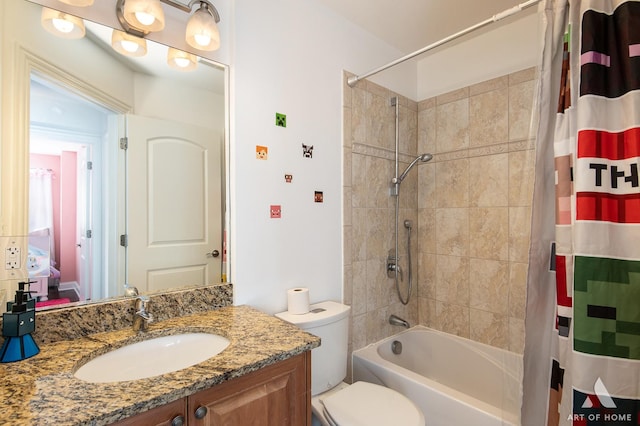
[152,357]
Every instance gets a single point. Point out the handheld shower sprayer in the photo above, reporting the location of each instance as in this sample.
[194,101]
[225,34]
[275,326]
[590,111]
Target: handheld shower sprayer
[423,158]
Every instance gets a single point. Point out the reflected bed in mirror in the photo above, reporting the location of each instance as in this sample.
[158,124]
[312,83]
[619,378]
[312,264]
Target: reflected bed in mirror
[128,162]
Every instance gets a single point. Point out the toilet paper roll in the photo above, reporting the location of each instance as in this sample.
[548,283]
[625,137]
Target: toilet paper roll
[298,300]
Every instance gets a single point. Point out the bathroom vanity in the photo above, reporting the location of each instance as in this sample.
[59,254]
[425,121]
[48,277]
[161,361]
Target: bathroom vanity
[262,377]
[274,395]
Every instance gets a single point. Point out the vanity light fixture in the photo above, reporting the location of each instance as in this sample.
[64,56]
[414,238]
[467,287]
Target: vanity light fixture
[145,15]
[140,17]
[202,28]
[62,24]
[127,44]
[181,60]
[81,3]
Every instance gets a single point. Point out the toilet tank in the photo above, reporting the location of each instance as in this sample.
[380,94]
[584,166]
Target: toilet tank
[329,321]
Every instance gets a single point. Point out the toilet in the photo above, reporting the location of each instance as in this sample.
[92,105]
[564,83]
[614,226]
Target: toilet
[334,402]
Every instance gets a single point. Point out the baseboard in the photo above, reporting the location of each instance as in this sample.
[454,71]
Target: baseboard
[70,285]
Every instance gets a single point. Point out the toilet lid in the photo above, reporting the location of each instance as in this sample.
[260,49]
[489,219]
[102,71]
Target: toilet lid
[367,404]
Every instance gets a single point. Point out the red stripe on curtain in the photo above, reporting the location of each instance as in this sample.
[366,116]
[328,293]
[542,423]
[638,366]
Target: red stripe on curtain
[608,207]
[613,146]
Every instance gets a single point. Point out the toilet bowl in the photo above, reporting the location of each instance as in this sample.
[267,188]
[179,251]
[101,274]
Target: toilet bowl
[365,404]
[334,402]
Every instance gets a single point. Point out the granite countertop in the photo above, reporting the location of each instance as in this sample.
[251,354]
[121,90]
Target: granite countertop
[42,389]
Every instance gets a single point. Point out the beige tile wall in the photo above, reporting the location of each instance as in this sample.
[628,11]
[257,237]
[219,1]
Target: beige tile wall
[470,207]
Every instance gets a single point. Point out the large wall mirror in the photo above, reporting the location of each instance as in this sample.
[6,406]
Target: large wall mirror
[125,161]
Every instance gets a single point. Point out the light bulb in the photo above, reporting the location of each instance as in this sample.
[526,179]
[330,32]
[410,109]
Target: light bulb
[129,46]
[146,15]
[62,25]
[182,62]
[202,39]
[145,18]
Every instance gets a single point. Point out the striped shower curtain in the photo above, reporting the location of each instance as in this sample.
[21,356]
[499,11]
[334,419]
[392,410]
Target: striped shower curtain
[582,347]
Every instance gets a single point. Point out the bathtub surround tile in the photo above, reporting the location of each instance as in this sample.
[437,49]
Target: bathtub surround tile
[346,90]
[470,205]
[426,230]
[527,74]
[408,135]
[517,289]
[452,184]
[377,183]
[452,96]
[427,278]
[347,142]
[521,177]
[488,118]
[516,335]
[358,287]
[346,206]
[359,180]
[489,285]
[452,279]
[490,185]
[452,126]
[347,289]
[519,233]
[452,318]
[378,233]
[427,103]
[359,335]
[452,231]
[427,311]
[358,115]
[427,185]
[358,235]
[489,328]
[521,100]
[499,83]
[380,121]
[489,233]
[427,129]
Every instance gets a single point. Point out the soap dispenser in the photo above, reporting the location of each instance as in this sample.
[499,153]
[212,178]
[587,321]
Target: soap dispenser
[17,325]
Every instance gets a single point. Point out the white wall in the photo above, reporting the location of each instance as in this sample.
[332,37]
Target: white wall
[289,57]
[498,49]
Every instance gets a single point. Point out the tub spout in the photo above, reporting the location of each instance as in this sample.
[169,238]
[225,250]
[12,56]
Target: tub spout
[395,320]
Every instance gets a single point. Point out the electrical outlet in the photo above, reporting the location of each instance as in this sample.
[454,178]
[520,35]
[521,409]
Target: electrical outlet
[13,251]
[12,256]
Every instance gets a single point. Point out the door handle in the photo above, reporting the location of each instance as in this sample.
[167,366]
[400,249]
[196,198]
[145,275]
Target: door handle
[214,253]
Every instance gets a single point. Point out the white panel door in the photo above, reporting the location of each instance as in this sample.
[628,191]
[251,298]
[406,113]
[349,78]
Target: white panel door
[174,204]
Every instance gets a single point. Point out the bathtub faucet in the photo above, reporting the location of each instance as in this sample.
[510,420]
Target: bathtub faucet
[395,320]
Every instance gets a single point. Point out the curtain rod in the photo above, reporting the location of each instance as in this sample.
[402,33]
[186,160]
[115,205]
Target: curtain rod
[353,80]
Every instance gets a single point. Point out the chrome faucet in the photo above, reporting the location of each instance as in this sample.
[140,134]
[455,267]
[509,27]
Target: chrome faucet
[395,320]
[142,317]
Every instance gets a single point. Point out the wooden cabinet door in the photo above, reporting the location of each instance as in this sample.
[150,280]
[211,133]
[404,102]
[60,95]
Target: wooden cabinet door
[278,395]
[160,416]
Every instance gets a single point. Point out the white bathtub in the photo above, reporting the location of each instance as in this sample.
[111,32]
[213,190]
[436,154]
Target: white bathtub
[454,381]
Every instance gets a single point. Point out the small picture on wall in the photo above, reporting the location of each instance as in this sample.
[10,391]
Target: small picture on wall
[318,197]
[262,152]
[307,151]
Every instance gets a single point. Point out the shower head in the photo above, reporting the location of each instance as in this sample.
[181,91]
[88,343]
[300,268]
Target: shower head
[423,158]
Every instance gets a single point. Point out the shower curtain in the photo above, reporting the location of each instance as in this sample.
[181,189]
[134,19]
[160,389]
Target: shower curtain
[582,344]
[41,203]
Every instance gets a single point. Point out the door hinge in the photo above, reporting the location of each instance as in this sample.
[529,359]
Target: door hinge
[89,233]
[124,143]
[124,240]
[89,165]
